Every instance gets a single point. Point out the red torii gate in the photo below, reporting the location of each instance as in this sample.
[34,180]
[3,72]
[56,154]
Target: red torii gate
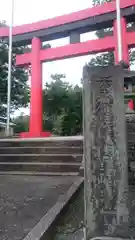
[74,49]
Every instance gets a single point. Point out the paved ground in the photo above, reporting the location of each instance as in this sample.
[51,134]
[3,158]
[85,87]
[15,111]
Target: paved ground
[24,200]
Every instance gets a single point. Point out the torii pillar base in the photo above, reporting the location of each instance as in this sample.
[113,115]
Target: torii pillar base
[31,135]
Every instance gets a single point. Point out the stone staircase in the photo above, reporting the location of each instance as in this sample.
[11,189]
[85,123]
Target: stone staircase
[56,155]
[50,156]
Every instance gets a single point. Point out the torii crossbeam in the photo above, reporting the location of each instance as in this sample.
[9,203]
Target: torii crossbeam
[71,25]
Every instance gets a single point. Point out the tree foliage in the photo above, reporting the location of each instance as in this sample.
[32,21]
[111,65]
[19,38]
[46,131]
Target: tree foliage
[19,87]
[62,109]
[62,106]
[21,124]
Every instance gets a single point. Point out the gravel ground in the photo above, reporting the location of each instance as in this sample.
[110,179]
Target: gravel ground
[70,224]
[24,200]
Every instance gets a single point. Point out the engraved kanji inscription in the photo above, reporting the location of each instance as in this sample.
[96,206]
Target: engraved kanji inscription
[103,136]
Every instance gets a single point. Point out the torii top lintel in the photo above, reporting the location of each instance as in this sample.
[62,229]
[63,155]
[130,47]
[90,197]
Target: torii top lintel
[90,19]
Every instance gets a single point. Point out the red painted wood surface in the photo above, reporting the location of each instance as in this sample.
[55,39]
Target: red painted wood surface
[36,90]
[70,50]
[131,104]
[67,18]
[84,48]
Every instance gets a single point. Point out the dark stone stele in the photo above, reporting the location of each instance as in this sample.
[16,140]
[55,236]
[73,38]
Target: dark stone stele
[105,152]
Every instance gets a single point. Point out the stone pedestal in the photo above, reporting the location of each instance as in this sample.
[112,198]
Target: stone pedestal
[105,152]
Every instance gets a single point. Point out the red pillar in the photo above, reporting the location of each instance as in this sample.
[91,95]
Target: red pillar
[35,124]
[35,128]
[125,55]
[131,105]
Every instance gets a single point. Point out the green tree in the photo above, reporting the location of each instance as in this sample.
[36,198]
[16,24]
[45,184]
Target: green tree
[62,107]
[55,96]
[21,124]
[19,88]
[72,118]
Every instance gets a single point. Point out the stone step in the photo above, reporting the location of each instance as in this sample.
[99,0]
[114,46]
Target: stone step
[53,156]
[41,158]
[39,167]
[54,142]
[29,173]
[41,150]
[44,144]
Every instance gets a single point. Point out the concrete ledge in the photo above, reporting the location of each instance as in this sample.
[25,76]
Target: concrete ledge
[49,139]
[30,173]
[74,155]
[42,163]
[108,238]
[45,223]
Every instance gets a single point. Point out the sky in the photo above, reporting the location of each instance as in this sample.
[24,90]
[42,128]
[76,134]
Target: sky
[28,11]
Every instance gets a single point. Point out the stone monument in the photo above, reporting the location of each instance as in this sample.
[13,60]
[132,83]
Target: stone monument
[105,152]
